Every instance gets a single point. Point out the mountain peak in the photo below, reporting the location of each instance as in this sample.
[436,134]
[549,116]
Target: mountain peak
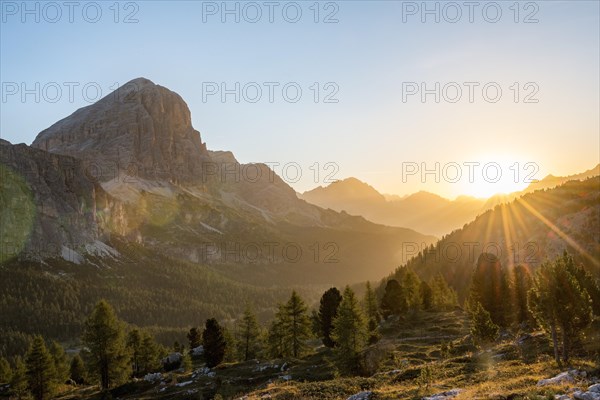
[142,128]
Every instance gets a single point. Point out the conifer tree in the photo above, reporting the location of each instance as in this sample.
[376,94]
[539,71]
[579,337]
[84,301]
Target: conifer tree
[249,336]
[522,282]
[5,371]
[149,354]
[349,332]
[41,374]
[18,383]
[104,337]
[134,344]
[483,328]
[296,325]
[61,363]
[426,296]
[372,313]
[559,304]
[214,343]
[276,334]
[194,337]
[411,296]
[392,301]
[328,307]
[77,370]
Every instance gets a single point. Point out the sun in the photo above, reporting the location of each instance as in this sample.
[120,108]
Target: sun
[499,174]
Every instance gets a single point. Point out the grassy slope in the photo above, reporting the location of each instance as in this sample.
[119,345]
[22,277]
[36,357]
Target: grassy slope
[508,370]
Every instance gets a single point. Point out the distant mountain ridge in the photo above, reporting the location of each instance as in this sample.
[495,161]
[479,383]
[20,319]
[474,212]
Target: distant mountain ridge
[423,211]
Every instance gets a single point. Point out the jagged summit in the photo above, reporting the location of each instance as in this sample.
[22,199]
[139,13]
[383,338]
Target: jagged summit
[142,128]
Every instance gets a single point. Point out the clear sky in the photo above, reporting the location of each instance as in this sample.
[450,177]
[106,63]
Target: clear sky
[370,61]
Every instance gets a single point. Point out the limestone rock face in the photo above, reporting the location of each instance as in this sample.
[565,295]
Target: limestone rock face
[47,204]
[141,129]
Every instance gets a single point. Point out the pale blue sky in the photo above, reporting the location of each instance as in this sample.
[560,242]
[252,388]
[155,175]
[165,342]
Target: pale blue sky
[368,54]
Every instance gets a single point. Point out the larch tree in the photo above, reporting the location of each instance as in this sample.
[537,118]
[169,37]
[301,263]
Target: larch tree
[559,304]
[41,375]
[297,324]
[61,363]
[372,313]
[328,307]
[18,382]
[349,332]
[214,343]
[249,336]
[105,339]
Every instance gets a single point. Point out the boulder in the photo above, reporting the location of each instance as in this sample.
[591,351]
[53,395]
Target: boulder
[449,394]
[361,396]
[563,377]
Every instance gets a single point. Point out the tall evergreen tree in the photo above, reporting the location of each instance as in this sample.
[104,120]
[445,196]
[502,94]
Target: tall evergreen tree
[5,371]
[249,335]
[372,313]
[411,288]
[330,301]
[77,370]
[559,304]
[297,324]
[150,354]
[490,288]
[426,296]
[522,282]
[40,370]
[104,337]
[443,296]
[18,383]
[134,344]
[483,328]
[349,332]
[276,335]
[392,301]
[214,343]
[194,337]
[61,363]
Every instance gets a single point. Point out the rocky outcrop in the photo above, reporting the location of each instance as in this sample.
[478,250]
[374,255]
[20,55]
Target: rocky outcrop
[141,129]
[47,204]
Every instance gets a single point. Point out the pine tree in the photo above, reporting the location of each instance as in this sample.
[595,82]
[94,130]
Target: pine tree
[249,335]
[330,301]
[194,337]
[443,297]
[18,383]
[5,371]
[522,284]
[186,363]
[490,288]
[349,332]
[372,313]
[104,337]
[411,288]
[149,354]
[276,334]
[77,369]
[483,328]
[297,326]
[61,363]
[426,296]
[134,344]
[214,343]
[559,304]
[40,370]
[392,301]
[231,345]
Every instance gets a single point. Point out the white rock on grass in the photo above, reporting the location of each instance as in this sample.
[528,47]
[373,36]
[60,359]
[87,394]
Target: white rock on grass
[563,377]
[360,396]
[594,388]
[450,394]
[157,376]
[579,395]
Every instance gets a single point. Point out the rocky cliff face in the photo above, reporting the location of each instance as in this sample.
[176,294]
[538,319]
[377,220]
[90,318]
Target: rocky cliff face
[47,205]
[141,129]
